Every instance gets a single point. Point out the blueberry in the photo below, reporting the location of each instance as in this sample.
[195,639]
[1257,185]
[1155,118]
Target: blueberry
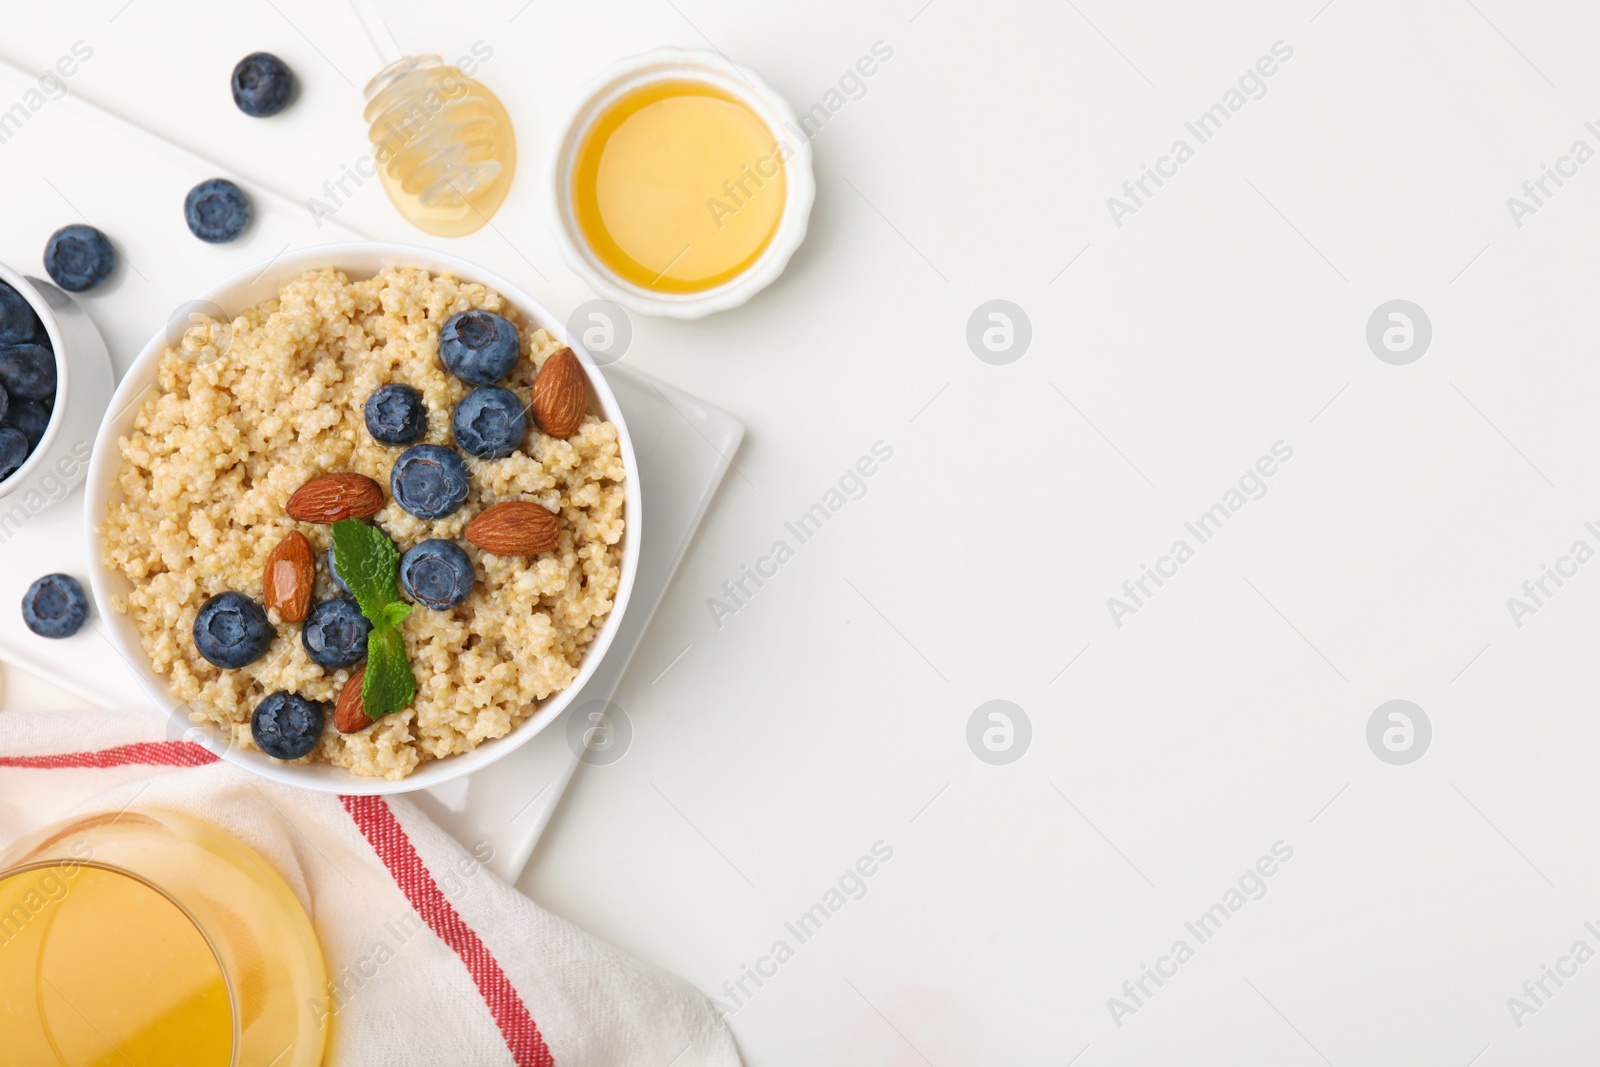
[335,634]
[490,422]
[262,85]
[28,372]
[55,606]
[28,417]
[216,210]
[396,415]
[232,631]
[79,258]
[18,323]
[286,725]
[429,481]
[334,574]
[479,346]
[436,574]
[14,449]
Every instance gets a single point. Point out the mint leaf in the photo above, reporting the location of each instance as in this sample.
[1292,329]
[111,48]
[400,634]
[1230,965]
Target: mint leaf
[389,684]
[367,561]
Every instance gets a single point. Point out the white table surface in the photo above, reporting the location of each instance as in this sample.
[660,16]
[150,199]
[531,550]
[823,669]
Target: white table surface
[1230,712]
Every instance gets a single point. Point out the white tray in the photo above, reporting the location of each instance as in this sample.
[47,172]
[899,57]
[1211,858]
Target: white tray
[52,172]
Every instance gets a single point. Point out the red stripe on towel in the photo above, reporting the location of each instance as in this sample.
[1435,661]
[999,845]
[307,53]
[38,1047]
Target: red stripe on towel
[382,830]
[145,753]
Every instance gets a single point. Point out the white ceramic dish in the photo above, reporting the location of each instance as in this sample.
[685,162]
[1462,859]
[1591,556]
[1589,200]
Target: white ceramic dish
[250,287]
[83,389]
[675,64]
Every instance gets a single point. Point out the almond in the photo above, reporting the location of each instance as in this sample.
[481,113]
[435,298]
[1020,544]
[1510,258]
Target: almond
[331,497]
[350,714]
[560,394]
[515,528]
[290,574]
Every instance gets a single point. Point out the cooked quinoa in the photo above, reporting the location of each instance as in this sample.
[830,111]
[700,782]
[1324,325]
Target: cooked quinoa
[244,413]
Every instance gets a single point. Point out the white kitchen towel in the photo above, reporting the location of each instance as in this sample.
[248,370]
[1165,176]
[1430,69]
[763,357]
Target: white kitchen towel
[486,977]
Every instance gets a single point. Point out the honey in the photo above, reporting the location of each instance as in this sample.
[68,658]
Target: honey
[443,145]
[678,186]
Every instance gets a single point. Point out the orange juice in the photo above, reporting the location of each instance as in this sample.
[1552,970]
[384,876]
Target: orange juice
[678,186]
[167,1003]
[138,940]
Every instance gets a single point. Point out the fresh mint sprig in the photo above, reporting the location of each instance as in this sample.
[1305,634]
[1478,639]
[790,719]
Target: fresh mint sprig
[367,562]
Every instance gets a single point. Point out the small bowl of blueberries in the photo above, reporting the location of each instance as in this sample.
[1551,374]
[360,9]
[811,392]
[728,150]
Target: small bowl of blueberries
[55,384]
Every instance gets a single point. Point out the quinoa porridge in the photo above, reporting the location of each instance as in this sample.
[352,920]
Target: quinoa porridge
[244,414]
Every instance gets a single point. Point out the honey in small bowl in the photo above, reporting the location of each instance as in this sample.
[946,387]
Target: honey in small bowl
[678,186]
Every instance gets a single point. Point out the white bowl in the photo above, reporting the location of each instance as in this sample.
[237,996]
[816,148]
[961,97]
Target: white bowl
[677,64]
[83,389]
[242,291]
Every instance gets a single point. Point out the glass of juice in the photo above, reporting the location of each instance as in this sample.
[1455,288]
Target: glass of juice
[138,939]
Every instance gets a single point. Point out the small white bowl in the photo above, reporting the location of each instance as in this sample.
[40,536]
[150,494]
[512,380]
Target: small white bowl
[677,64]
[83,389]
[234,296]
